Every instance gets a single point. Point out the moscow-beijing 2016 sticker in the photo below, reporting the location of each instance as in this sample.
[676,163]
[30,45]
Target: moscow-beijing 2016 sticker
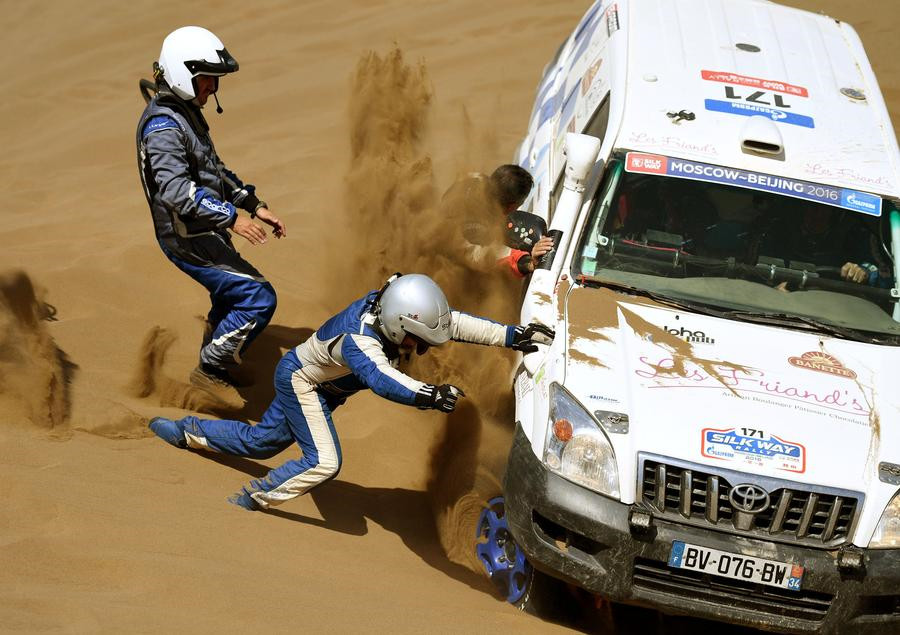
[829,195]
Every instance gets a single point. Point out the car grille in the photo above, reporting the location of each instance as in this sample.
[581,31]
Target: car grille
[688,495]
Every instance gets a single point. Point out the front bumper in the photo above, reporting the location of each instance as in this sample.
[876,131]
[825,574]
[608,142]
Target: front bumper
[587,539]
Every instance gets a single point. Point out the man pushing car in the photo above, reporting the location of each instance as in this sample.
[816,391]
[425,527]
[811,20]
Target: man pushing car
[356,349]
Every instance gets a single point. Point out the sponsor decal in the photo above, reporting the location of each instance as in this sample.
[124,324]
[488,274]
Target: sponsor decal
[754,82]
[752,447]
[862,202]
[612,19]
[646,163]
[589,75]
[215,206]
[757,97]
[670,141]
[749,110]
[588,37]
[823,171]
[524,384]
[846,403]
[823,363]
[694,337]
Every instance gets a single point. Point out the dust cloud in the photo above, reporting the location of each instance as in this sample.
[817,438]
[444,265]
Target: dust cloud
[400,220]
[34,373]
[149,379]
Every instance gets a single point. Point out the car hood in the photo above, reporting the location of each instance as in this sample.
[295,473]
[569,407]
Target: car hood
[734,395]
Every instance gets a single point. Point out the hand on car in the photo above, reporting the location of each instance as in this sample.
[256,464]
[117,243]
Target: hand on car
[541,247]
[526,338]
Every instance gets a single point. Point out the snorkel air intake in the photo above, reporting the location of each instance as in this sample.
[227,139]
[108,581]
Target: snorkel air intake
[760,135]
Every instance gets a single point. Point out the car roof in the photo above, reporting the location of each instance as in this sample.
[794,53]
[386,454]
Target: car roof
[725,61]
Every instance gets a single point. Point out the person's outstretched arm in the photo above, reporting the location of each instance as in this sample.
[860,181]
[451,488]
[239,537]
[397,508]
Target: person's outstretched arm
[478,330]
[364,356]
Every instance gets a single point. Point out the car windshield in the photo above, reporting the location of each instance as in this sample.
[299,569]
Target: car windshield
[741,250]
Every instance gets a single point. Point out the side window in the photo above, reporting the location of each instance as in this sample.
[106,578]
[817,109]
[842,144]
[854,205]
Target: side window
[555,194]
[596,127]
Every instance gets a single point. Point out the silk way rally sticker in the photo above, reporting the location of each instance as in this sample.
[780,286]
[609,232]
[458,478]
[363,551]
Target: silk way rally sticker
[754,448]
[836,196]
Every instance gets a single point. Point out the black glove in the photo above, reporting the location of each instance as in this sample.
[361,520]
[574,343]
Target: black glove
[526,338]
[441,397]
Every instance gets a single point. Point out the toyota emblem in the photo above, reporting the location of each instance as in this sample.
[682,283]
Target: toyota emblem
[748,498]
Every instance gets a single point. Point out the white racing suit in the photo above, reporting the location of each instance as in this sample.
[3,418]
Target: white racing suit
[192,198]
[346,354]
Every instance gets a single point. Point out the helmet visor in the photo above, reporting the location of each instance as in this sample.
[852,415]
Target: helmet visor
[225,64]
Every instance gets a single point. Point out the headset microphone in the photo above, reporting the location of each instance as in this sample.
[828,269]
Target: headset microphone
[219,109]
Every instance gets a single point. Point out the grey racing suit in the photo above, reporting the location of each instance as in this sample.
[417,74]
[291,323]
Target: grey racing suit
[192,198]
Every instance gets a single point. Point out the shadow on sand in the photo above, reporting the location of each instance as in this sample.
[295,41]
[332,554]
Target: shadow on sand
[347,507]
[260,362]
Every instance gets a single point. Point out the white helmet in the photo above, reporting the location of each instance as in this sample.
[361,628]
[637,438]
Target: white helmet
[413,304]
[191,51]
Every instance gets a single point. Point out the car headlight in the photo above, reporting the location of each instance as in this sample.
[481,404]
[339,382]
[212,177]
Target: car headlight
[887,532]
[577,447]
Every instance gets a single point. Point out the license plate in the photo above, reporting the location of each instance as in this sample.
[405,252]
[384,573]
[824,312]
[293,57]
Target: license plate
[735,566]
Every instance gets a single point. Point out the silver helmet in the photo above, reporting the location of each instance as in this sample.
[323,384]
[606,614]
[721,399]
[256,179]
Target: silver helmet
[191,51]
[414,304]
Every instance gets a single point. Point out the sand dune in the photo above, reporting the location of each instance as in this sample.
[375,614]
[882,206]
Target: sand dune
[351,118]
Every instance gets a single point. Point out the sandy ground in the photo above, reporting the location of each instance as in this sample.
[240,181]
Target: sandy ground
[351,118]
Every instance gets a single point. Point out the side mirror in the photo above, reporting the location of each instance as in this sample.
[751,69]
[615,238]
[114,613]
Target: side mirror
[581,152]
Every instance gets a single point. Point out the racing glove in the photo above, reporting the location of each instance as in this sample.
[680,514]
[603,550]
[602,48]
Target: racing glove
[441,397]
[526,338]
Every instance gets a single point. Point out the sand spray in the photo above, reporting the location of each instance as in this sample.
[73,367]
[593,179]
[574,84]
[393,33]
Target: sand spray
[398,220]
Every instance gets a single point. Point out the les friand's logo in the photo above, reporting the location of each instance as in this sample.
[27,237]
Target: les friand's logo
[823,363]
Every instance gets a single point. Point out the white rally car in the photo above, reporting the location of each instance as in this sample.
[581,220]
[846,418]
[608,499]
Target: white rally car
[715,428]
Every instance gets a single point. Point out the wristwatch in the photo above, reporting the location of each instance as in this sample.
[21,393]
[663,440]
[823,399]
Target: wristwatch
[256,209]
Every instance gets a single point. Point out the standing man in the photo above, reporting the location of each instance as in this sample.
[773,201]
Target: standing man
[356,349]
[193,199]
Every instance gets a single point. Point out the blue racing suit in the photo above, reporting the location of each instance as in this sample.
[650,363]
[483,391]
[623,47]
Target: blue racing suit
[192,198]
[346,354]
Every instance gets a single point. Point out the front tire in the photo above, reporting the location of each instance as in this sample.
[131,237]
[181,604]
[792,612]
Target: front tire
[496,549]
[504,562]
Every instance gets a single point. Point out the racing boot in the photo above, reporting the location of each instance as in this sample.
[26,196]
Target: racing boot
[172,432]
